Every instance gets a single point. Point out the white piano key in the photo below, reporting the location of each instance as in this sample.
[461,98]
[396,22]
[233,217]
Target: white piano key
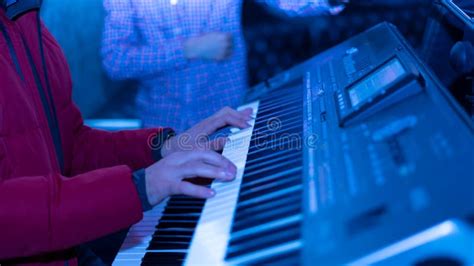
[134,247]
[214,226]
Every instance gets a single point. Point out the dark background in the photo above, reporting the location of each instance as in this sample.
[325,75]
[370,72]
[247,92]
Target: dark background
[275,43]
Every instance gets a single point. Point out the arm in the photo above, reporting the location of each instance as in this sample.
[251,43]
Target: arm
[303,7]
[94,149]
[55,213]
[126,52]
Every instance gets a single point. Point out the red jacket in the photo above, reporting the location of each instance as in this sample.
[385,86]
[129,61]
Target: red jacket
[45,214]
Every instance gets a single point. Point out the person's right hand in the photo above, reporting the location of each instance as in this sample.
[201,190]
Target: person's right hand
[165,178]
[210,46]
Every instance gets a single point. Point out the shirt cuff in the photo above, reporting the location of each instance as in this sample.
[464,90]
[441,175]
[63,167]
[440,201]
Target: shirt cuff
[140,184]
[158,142]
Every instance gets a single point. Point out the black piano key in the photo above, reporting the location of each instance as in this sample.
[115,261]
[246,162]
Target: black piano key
[271,178]
[253,244]
[243,215]
[290,163]
[283,183]
[265,233]
[291,258]
[258,180]
[181,210]
[182,198]
[288,142]
[296,99]
[172,238]
[274,195]
[278,98]
[163,258]
[174,231]
[167,245]
[269,158]
[278,127]
[282,120]
[255,154]
[273,146]
[175,224]
[277,111]
[265,217]
[286,199]
[181,217]
[185,204]
[277,170]
[265,137]
[248,192]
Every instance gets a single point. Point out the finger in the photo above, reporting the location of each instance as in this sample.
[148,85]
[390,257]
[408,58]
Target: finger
[230,117]
[201,169]
[217,144]
[225,117]
[209,157]
[233,121]
[247,112]
[186,188]
[219,121]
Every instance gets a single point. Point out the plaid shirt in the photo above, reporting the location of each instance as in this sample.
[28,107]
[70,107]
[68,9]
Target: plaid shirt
[143,40]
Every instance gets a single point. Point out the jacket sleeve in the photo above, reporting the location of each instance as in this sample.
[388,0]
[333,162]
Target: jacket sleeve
[126,51]
[93,149]
[43,214]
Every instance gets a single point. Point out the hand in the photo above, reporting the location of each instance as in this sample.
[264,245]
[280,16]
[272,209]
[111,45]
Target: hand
[211,46]
[165,178]
[197,138]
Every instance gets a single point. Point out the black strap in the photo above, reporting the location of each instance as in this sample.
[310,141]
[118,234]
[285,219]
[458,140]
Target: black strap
[12,51]
[48,104]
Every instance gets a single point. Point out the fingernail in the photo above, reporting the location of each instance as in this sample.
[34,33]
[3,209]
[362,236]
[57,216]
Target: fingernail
[232,169]
[212,193]
[229,175]
[223,174]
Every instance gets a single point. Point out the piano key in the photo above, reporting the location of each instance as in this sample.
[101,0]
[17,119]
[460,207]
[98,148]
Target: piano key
[294,189]
[262,205]
[280,170]
[250,258]
[165,245]
[264,217]
[255,243]
[290,258]
[270,190]
[248,192]
[215,230]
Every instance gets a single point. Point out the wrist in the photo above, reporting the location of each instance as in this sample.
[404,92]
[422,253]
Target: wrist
[139,179]
[159,143]
[152,195]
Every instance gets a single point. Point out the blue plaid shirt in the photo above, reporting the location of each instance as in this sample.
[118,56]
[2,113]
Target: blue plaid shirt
[143,40]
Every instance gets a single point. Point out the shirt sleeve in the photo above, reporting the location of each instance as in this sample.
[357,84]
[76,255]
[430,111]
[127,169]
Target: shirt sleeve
[303,7]
[126,51]
[140,185]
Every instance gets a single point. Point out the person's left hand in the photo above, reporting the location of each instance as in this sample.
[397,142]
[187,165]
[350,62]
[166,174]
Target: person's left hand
[197,138]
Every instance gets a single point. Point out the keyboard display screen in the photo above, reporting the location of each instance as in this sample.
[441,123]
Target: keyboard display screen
[373,84]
